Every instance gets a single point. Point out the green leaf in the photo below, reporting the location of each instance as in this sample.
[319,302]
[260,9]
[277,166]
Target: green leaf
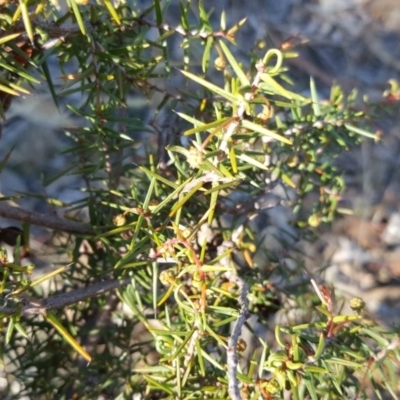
[320,347]
[158,369]
[266,132]
[201,126]
[187,337]
[223,20]
[163,35]
[199,352]
[346,318]
[112,11]
[247,159]
[38,281]
[10,329]
[213,202]
[23,5]
[184,15]
[361,131]
[232,31]
[159,15]
[315,369]
[217,188]
[78,16]
[235,66]
[213,88]
[225,311]
[7,38]
[182,201]
[49,81]
[272,86]
[204,19]
[377,336]
[51,318]
[344,362]
[160,178]
[310,384]
[314,98]
[8,90]
[21,330]
[149,194]
[159,385]
[207,53]
[169,198]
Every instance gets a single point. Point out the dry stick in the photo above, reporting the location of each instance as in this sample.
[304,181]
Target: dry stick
[232,359]
[33,306]
[45,220]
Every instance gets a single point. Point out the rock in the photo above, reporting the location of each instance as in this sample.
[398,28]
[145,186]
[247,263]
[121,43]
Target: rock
[391,234]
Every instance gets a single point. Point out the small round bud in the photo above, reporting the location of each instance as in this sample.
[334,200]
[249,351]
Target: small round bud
[357,304]
[119,220]
[195,158]
[167,277]
[241,346]
[314,220]
[220,63]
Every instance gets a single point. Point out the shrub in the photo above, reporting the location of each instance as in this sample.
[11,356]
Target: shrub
[174,255]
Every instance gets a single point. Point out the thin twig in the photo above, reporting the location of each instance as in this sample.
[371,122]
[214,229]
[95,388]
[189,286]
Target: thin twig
[45,220]
[33,306]
[232,359]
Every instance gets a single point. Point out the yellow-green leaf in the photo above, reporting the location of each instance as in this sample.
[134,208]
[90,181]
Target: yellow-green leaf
[272,85]
[206,54]
[258,128]
[8,90]
[38,281]
[213,88]
[52,319]
[236,27]
[360,131]
[112,11]
[252,161]
[181,202]
[206,127]
[78,16]
[7,38]
[25,17]
[235,66]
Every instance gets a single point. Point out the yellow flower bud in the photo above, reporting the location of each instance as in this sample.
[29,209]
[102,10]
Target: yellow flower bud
[220,63]
[195,158]
[119,220]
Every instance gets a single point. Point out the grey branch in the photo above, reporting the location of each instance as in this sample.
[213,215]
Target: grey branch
[45,220]
[33,306]
[232,359]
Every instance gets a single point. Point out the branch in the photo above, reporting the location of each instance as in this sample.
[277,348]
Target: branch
[232,360]
[32,306]
[223,250]
[45,220]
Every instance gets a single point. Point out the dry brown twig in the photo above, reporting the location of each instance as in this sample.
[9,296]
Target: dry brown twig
[34,306]
[45,220]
